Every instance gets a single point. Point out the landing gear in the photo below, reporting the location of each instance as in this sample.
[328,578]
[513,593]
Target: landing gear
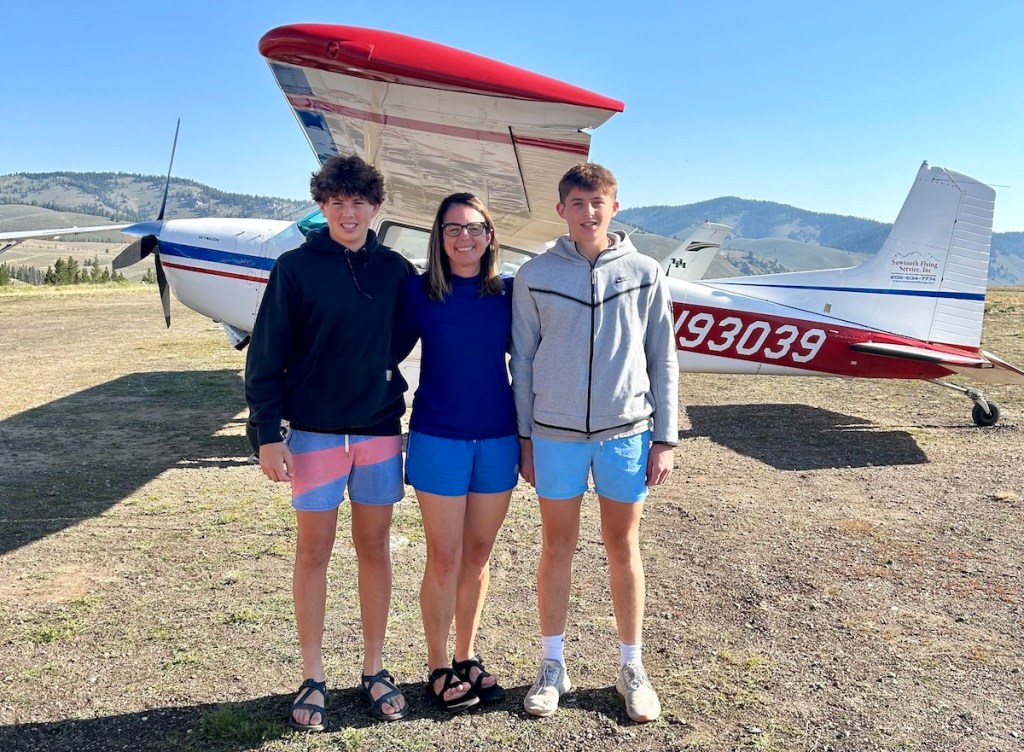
[984,419]
[984,413]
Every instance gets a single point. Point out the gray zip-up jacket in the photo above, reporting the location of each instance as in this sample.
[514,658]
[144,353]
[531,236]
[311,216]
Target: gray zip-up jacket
[593,347]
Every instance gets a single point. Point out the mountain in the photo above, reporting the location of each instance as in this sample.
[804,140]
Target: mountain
[125,197]
[767,237]
[798,239]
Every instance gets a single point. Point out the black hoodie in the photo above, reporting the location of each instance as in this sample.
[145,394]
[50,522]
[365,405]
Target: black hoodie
[321,353]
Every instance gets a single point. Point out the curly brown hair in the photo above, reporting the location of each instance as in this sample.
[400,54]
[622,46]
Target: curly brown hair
[347,176]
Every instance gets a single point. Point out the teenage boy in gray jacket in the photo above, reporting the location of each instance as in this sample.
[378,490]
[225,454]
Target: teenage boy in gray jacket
[595,376]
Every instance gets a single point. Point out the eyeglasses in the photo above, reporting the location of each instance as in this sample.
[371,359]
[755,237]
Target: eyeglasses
[454,230]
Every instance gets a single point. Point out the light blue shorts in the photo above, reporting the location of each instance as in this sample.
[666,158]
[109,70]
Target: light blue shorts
[324,464]
[456,467]
[619,467]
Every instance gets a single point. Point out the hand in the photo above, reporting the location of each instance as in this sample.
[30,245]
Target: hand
[276,461]
[526,461]
[660,461]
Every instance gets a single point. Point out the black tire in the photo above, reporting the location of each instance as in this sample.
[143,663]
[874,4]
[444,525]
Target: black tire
[984,419]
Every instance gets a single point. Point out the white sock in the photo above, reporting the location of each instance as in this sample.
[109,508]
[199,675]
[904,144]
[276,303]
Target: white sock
[553,647]
[630,654]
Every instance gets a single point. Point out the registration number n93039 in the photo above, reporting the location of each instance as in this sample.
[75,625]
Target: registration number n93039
[736,337]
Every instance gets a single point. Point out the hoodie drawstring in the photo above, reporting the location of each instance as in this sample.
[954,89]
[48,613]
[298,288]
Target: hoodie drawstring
[352,271]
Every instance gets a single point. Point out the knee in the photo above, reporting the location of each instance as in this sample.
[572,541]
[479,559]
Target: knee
[559,545]
[443,562]
[372,549]
[624,551]
[476,554]
[312,558]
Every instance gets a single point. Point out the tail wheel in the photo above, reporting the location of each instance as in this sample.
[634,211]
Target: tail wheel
[986,419]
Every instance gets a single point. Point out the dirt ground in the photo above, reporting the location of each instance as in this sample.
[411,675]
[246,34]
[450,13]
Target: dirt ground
[834,565]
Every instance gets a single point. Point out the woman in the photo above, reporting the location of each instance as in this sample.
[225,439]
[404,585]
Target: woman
[463,452]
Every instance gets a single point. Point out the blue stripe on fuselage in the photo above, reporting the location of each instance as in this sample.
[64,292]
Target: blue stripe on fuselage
[718,284]
[198,253]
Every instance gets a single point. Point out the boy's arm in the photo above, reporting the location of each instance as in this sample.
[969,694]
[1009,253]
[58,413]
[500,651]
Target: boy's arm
[407,331]
[663,364]
[525,339]
[266,360]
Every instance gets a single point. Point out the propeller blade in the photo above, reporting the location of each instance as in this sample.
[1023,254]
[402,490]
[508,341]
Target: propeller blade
[134,252]
[167,183]
[165,292]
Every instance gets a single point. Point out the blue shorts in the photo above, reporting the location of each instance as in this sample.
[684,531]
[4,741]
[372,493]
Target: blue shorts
[619,467]
[456,467]
[324,464]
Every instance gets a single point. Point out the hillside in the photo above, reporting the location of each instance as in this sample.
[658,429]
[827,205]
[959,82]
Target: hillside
[799,239]
[767,237]
[128,197]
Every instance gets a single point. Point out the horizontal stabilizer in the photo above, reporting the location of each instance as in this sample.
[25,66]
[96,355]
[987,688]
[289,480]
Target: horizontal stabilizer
[984,366]
[691,259]
[923,354]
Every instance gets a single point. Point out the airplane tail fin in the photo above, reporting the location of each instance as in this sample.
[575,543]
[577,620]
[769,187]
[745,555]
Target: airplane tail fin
[691,259]
[928,281]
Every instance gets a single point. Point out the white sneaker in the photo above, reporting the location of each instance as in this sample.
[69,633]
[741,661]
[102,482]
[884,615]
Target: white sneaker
[552,682]
[642,703]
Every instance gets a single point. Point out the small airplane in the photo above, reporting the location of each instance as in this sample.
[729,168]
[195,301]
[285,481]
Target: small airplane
[434,119]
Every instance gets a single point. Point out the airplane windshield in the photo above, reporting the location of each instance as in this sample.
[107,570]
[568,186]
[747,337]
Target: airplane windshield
[312,221]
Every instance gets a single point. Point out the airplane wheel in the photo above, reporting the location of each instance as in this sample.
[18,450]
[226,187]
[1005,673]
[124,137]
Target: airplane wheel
[984,419]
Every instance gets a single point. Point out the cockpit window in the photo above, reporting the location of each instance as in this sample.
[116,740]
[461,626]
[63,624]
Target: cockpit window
[312,221]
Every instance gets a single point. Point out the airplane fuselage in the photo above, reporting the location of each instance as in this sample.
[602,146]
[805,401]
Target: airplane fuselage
[719,331]
[219,268]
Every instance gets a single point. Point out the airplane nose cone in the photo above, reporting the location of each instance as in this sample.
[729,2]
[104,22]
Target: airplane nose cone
[144,228]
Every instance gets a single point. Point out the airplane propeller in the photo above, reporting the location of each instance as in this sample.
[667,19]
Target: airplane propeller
[150,242]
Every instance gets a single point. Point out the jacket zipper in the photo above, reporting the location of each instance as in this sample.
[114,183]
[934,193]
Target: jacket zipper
[593,316]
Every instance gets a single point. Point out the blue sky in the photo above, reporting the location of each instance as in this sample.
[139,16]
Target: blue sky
[828,106]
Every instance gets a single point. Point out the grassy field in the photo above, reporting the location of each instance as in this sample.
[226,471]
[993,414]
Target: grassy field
[834,565]
[44,253]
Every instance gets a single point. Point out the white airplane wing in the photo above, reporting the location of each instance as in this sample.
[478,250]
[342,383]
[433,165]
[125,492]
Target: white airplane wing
[435,120]
[10,239]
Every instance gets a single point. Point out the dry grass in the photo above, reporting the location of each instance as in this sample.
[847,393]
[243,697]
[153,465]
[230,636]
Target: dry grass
[44,253]
[834,564]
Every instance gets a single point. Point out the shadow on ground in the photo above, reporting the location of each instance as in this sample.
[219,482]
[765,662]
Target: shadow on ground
[77,456]
[250,724]
[232,726]
[800,437]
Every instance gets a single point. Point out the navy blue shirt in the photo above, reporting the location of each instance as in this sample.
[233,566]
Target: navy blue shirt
[464,390]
